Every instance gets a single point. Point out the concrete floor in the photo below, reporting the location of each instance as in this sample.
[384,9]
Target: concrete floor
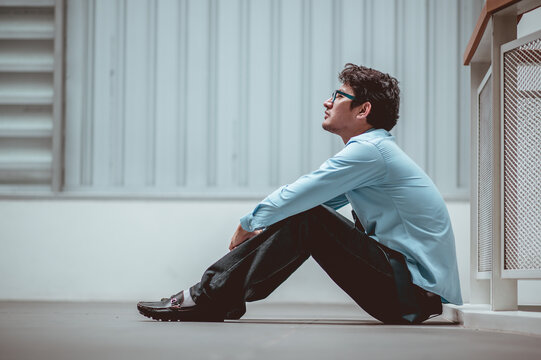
[79,331]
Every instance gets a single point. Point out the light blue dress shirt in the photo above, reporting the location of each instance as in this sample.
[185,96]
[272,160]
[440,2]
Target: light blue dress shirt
[396,202]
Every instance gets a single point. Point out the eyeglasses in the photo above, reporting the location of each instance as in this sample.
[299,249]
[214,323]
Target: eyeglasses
[336,92]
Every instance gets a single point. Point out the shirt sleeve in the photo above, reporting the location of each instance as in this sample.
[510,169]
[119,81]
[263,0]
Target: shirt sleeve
[359,164]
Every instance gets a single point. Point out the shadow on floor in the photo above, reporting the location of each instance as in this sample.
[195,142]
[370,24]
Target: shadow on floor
[340,322]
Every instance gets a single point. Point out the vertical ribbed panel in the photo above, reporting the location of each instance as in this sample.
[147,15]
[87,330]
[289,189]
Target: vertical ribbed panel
[522,155]
[275,40]
[243,98]
[117,114]
[486,179]
[27,65]
[225,97]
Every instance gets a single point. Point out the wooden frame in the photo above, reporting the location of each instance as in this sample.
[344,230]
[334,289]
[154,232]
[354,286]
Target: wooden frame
[491,7]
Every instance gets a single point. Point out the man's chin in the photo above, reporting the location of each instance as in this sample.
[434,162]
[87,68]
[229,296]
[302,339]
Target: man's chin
[327,127]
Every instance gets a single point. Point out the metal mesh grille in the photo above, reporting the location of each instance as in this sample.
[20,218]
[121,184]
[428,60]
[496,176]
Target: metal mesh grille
[486,175]
[522,156]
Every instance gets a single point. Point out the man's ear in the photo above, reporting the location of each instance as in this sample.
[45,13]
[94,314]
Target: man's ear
[364,109]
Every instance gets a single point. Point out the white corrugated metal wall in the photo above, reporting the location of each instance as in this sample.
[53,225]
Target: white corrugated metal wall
[224,98]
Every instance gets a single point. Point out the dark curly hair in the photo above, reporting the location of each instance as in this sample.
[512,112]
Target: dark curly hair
[379,89]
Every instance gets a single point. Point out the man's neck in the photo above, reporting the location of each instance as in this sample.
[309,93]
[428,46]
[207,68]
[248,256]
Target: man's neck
[346,138]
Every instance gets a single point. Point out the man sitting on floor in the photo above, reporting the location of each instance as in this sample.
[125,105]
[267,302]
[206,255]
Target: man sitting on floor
[398,261]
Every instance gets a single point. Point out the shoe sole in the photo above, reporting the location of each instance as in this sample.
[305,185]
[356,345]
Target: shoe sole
[178,315]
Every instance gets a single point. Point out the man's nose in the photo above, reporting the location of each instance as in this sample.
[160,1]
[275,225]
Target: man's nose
[328,103]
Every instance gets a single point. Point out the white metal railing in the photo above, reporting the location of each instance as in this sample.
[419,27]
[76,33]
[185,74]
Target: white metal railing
[521,158]
[485,179]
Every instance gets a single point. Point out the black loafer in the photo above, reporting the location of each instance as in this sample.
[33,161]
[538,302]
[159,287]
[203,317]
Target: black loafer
[171,309]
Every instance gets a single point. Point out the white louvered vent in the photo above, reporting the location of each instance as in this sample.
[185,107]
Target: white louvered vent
[485,178]
[522,157]
[27,83]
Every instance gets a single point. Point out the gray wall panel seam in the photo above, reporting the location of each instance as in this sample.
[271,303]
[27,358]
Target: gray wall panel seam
[397,52]
[154,90]
[337,54]
[309,98]
[122,178]
[92,104]
[240,134]
[426,89]
[185,102]
[272,75]
[401,70]
[113,55]
[432,128]
[458,97]
[278,87]
[371,40]
[244,94]
[433,95]
[148,72]
[150,170]
[246,141]
[362,60]
[84,100]
[337,145]
[113,99]
[212,88]
[208,167]
[305,39]
[182,68]
[180,93]
[428,78]
[334,60]
[275,91]
[302,137]
[87,129]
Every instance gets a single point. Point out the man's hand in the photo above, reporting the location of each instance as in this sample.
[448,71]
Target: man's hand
[241,236]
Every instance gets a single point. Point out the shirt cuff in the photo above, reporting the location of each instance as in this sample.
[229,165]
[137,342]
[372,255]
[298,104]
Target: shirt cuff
[246,221]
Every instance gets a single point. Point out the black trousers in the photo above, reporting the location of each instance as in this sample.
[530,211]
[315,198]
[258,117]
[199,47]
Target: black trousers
[375,276]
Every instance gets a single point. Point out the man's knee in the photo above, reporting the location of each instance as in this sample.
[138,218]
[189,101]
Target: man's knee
[316,213]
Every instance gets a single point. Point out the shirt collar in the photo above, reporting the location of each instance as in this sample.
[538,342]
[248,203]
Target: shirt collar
[371,133]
